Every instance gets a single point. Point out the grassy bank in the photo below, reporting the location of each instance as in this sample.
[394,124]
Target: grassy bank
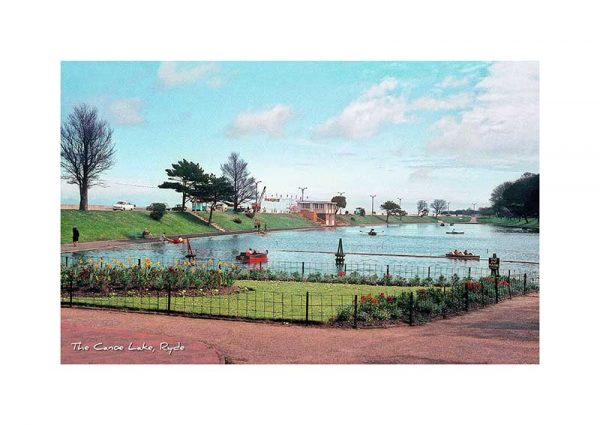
[532,223]
[373,220]
[273,221]
[109,225]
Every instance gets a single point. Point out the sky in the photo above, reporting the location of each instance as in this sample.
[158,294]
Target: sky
[409,130]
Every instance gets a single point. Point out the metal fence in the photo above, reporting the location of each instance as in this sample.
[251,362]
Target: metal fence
[307,268]
[412,305]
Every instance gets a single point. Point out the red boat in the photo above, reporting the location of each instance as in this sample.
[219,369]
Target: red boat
[257,257]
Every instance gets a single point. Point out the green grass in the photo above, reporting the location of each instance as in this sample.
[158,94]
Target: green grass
[373,220]
[108,225]
[532,223]
[273,221]
[266,300]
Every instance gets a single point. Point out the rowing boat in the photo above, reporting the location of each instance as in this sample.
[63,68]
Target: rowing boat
[258,257]
[463,257]
[455,233]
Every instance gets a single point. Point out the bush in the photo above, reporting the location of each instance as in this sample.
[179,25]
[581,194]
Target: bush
[237,220]
[157,211]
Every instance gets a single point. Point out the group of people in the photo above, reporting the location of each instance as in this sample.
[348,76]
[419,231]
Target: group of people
[457,252]
[258,224]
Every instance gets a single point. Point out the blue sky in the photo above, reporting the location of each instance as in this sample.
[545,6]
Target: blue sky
[410,130]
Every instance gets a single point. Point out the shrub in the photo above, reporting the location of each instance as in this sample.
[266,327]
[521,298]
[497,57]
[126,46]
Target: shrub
[157,211]
[237,220]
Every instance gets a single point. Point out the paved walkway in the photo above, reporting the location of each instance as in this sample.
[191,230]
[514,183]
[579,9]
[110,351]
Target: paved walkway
[503,333]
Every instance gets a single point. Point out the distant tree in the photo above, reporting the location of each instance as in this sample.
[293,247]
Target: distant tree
[520,198]
[421,205]
[184,176]
[391,208]
[438,205]
[213,190]
[235,170]
[424,212]
[157,211]
[86,150]
[340,202]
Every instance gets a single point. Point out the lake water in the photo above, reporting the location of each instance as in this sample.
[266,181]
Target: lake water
[519,250]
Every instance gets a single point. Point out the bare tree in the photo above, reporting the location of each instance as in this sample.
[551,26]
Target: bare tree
[421,205]
[438,205]
[235,170]
[86,149]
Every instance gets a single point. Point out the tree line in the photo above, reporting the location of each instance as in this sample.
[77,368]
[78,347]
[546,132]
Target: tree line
[518,199]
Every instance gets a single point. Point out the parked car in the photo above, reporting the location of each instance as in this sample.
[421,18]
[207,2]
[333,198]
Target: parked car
[123,206]
[178,208]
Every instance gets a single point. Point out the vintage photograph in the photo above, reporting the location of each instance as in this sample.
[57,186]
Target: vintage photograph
[289,212]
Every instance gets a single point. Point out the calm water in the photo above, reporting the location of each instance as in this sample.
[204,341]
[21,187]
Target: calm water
[420,239]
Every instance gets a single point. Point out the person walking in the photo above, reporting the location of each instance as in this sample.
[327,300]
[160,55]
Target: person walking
[75,235]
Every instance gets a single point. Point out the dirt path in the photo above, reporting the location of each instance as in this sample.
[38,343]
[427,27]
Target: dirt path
[504,333]
[473,220]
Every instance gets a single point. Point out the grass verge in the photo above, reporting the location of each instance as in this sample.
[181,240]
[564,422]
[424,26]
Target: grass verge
[110,225]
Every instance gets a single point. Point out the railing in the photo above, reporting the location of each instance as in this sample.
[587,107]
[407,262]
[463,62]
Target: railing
[412,305]
[307,270]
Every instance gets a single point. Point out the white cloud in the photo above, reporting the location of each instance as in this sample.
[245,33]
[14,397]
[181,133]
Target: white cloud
[126,111]
[503,126]
[365,116]
[172,74]
[457,101]
[453,82]
[269,121]
[420,175]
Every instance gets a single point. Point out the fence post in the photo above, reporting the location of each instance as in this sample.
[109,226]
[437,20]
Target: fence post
[66,261]
[306,306]
[139,262]
[71,293]
[169,299]
[509,286]
[428,272]
[466,298]
[303,272]
[482,293]
[469,276]
[496,285]
[355,310]
[411,308]
[525,284]
[388,270]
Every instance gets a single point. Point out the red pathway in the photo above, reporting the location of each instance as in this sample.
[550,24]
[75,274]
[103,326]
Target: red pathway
[504,333]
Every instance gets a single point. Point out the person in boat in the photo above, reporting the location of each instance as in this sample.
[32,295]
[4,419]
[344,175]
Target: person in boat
[146,234]
[372,232]
[179,239]
[253,251]
[163,237]
[248,252]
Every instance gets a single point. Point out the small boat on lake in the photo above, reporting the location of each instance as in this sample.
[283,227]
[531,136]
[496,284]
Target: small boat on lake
[454,232]
[255,257]
[462,257]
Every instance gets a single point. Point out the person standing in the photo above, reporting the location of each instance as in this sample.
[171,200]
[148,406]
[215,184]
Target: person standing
[75,235]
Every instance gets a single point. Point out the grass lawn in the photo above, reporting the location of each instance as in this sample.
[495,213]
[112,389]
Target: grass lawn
[265,300]
[107,225]
[372,220]
[273,221]
[533,223]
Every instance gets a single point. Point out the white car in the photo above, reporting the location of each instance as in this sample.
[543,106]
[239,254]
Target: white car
[123,206]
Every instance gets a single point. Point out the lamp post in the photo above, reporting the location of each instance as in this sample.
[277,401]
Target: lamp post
[372,204]
[400,205]
[302,189]
[259,181]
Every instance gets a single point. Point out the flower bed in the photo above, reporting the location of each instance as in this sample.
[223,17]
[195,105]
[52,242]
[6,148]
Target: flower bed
[429,303]
[116,276]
